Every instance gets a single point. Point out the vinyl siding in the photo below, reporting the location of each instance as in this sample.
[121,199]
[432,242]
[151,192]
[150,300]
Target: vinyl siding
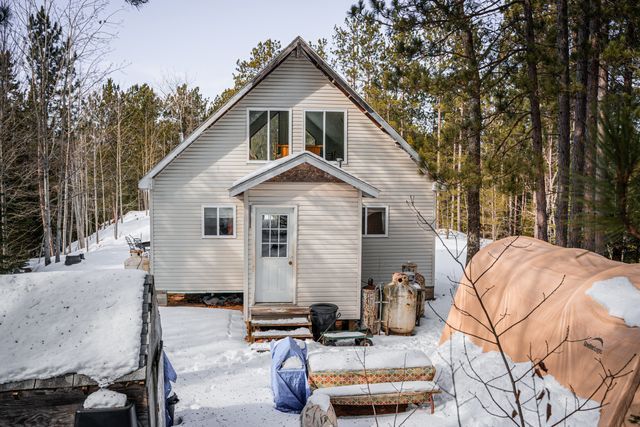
[327,254]
[202,174]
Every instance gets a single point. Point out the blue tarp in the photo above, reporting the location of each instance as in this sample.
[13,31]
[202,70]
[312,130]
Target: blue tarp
[170,376]
[290,386]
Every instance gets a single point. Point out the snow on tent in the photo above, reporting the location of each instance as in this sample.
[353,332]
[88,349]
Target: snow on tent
[598,299]
[63,335]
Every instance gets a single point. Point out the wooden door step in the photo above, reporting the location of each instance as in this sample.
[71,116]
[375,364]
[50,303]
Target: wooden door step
[281,322]
[279,310]
[300,333]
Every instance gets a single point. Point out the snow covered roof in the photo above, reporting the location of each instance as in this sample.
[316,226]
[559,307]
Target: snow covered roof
[58,323]
[300,48]
[277,167]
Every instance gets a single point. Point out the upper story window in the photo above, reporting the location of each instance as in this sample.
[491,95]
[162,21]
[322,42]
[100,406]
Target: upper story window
[269,136]
[326,134]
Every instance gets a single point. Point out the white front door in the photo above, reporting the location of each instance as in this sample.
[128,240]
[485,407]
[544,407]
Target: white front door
[274,252]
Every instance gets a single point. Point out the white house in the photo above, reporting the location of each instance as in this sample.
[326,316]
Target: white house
[294,192]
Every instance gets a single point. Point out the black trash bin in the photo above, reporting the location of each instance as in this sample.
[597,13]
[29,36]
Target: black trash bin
[323,318]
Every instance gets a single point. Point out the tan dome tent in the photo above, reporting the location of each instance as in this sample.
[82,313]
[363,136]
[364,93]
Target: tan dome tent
[530,268]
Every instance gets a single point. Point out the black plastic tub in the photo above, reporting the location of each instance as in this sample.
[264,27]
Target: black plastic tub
[323,318]
[107,417]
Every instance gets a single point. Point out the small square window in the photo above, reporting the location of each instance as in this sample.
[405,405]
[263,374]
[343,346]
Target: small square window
[218,221]
[375,220]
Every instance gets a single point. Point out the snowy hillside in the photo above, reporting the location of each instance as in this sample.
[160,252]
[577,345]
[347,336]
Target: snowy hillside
[108,253]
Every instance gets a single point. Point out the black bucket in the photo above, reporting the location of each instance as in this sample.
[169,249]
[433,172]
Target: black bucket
[323,318]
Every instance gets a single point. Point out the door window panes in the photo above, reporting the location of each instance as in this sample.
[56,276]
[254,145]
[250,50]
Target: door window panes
[274,236]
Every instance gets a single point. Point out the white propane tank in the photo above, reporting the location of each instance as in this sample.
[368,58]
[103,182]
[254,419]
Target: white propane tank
[400,299]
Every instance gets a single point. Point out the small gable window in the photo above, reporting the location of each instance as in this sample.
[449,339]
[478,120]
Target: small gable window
[375,220]
[218,221]
[269,136]
[326,134]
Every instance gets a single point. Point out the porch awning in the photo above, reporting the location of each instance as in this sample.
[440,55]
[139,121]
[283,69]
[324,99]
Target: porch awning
[307,167]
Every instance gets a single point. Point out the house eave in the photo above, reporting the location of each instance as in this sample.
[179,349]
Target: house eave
[284,164]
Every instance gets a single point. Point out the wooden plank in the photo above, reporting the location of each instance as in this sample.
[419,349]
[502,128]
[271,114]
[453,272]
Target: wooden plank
[271,310]
[17,385]
[268,324]
[57,382]
[155,377]
[277,337]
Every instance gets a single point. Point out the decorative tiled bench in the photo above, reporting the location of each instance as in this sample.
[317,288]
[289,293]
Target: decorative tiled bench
[365,376]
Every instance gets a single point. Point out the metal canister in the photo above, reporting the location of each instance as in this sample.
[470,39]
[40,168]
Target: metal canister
[399,299]
[418,282]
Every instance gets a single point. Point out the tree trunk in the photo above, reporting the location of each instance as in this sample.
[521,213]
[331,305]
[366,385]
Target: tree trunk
[592,126]
[474,180]
[579,133]
[46,206]
[602,92]
[119,163]
[95,191]
[562,197]
[439,126]
[540,231]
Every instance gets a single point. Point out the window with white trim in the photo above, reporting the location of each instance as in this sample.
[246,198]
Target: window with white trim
[218,221]
[269,136]
[375,221]
[326,134]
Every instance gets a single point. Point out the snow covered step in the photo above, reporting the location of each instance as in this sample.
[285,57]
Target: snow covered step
[290,321]
[302,333]
[380,388]
[279,310]
[390,393]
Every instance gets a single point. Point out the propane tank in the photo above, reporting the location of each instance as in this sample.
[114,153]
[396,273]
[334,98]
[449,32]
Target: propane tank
[399,298]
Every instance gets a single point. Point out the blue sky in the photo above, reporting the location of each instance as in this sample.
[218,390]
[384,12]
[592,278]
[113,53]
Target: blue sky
[200,40]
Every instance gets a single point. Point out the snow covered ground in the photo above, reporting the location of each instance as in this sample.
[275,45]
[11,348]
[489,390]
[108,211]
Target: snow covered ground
[222,382]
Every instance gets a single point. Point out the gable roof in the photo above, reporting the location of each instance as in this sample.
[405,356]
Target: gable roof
[284,164]
[300,48]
